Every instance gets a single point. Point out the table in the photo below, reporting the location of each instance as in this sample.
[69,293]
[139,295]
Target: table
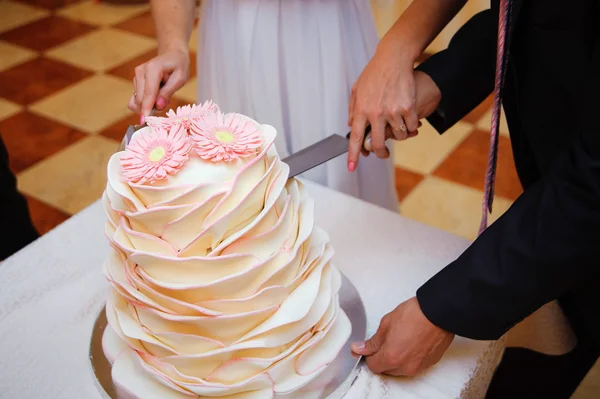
[52,291]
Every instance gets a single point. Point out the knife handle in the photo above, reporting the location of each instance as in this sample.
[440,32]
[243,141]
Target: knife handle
[160,86]
[367,145]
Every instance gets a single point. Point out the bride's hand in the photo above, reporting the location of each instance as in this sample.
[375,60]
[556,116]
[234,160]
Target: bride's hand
[171,68]
[384,96]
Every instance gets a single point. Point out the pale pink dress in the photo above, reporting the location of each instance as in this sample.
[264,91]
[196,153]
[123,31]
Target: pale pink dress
[291,64]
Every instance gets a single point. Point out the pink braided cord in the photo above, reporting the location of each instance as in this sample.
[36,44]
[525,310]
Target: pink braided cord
[490,174]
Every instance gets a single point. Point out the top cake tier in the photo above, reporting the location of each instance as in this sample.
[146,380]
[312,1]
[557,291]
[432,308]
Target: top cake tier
[196,167]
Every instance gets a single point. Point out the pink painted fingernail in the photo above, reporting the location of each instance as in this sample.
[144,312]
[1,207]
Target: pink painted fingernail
[142,119]
[161,102]
[351,166]
[358,346]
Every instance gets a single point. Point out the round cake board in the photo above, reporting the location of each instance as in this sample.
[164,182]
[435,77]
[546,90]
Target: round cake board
[333,383]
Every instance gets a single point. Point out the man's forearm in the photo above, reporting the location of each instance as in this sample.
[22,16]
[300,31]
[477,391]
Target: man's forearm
[173,22]
[416,28]
[544,246]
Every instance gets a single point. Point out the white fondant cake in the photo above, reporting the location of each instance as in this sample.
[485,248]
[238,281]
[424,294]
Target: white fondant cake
[221,284]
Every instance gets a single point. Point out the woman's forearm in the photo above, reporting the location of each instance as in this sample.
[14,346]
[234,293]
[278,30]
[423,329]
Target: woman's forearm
[416,28]
[173,22]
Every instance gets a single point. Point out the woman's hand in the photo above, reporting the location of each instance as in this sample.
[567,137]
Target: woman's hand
[426,100]
[384,96]
[171,68]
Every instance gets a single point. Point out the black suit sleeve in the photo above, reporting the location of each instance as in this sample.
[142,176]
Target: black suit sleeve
[464,72]
[544,246]
[14,212]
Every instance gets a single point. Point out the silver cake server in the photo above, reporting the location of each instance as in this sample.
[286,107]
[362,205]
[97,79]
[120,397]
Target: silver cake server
[134,128]
[130,131]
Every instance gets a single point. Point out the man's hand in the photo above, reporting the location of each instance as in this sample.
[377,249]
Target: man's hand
[406,342]
[429,95]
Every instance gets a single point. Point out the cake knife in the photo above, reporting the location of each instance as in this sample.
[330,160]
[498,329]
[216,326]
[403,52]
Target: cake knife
[134,128]
[322,151]
[131,130]
[345,386]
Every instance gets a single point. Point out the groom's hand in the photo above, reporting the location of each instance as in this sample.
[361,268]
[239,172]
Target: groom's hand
[406,342]
[428,95]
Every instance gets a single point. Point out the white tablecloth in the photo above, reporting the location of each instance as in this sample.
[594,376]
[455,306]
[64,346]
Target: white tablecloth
[52,291]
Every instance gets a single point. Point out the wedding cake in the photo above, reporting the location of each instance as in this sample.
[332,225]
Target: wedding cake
[221,284]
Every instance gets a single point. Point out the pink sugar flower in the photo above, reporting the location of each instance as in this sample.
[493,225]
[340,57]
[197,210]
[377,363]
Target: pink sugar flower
[183,116]
[221,137]
[155,153]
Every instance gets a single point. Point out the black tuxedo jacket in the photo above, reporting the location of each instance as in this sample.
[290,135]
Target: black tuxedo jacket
[547,245]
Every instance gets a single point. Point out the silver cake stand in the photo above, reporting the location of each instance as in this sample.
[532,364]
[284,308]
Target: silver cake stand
[333,383]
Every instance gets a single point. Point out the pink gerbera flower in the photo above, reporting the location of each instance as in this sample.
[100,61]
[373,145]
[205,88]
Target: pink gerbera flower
[183,116]
[153,154]
[221,137]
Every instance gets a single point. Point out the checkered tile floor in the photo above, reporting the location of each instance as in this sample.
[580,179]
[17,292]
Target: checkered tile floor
[65,79]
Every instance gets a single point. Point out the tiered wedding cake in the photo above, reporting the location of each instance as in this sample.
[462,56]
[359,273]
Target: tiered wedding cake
[221,284]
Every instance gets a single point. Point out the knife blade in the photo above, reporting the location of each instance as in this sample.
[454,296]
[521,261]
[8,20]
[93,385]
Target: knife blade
[130,131]
[345,386]
[134,128]
[321,152]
